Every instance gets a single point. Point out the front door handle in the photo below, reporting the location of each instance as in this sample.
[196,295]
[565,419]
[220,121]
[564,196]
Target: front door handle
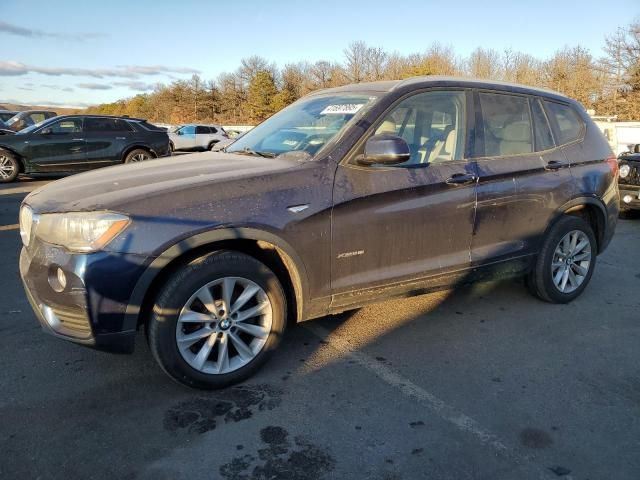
[553,165]
[77,139]
[458,179]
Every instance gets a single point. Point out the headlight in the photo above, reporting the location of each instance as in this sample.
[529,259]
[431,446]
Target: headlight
[26,220]
[80,231]
[624,170]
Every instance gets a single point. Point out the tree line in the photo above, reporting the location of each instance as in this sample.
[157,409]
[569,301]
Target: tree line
[610,85]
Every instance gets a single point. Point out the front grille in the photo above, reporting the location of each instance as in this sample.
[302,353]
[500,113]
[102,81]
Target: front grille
[634,175]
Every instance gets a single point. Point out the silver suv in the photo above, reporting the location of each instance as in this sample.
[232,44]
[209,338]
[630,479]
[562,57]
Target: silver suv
[196,137]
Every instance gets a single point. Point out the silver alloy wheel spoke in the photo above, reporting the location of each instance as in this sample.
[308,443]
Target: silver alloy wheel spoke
[255,330]
[191,338]
[571,261]
[189,316]
[213,335]
[7,168]
[243,349]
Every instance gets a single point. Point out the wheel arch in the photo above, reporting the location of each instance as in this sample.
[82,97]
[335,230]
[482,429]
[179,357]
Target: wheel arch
[265,247]
[136,146]
[591,209]
[21,160]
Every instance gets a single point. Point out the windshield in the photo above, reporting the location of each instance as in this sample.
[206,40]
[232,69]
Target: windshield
[305,126]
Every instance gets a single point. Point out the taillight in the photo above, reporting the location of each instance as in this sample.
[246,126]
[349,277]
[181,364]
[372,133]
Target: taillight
[613,164]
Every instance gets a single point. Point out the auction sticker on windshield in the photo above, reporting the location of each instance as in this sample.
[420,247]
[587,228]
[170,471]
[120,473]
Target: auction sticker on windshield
[343,109]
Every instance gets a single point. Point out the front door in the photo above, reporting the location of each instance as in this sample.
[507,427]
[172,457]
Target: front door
[58,146]
[392,225]
[185,138]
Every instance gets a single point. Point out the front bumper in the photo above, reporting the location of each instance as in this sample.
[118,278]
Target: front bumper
[629,197]
[91,308]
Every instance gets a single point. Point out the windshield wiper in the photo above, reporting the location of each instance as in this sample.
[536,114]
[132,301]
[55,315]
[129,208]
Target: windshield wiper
[249,151]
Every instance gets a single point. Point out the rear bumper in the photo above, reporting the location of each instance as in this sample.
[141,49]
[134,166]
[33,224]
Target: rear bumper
[91,309]
[629,197]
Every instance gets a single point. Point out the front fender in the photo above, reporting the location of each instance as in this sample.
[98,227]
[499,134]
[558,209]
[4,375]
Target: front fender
[293,262]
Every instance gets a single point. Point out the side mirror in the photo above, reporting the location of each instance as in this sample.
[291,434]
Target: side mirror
[46,131]
[180,132]
[385,149]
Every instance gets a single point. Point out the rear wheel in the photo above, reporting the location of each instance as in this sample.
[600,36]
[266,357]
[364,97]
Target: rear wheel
[211,146]
[216,320]
[138,155]
[9,167]
[566,262]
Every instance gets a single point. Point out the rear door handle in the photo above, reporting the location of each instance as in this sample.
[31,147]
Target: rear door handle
[458,179]
[553,165]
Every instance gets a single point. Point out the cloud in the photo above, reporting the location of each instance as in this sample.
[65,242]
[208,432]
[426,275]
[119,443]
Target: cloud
[57,87]
[46,103]
[136,85]
[94,86]
[13,69]
[12,29]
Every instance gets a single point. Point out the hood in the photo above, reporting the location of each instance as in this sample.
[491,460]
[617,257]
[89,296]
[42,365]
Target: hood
[114,188]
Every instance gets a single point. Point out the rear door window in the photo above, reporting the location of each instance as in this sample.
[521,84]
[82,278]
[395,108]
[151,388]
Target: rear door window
[202,130]
[506,124]
[541,128]
[569,126]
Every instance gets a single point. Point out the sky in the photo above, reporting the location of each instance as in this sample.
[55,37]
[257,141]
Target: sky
[77,53]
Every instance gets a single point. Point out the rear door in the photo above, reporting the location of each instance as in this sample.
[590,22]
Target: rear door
[59,146]
[522,176]
[106,140]
[203,136]
[392,225]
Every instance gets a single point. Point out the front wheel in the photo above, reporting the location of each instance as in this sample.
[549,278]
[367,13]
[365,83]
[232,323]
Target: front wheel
[137,155]
[9,168]
[217,319]
[566,261]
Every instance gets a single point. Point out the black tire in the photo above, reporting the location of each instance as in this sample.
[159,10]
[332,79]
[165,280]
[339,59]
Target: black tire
[9,167]
[138,155]
[161,329]
[211,145]
[172,147]
[540,279]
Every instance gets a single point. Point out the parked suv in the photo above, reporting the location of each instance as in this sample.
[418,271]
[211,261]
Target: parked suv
[193,137]
[28,118]
[74,143]
[348,196]
[629,179]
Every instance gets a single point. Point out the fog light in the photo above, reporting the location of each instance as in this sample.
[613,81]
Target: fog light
[627,199]
[57,279]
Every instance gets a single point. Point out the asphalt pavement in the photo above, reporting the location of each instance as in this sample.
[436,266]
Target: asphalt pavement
[479,383]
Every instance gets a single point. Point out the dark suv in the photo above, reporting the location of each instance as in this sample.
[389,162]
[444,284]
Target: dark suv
[349,196]
[73,143]
[629,179]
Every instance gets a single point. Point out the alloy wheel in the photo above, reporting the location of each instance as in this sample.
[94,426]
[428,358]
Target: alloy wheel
[139,157]
[224,325]
[7,167]
[571,261]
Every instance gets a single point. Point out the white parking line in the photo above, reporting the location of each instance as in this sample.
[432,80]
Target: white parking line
[458,419]
[9,227]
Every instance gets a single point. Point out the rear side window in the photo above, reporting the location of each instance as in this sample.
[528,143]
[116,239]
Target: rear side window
[106,125]
[506,124]
[201,129]
[213,130]
[568,123]
[542,131]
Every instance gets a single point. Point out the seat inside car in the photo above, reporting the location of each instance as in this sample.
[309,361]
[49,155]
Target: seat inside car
[515,138]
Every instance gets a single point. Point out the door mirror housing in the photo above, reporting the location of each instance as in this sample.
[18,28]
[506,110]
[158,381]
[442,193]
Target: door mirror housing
[180,132]
[385,149]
